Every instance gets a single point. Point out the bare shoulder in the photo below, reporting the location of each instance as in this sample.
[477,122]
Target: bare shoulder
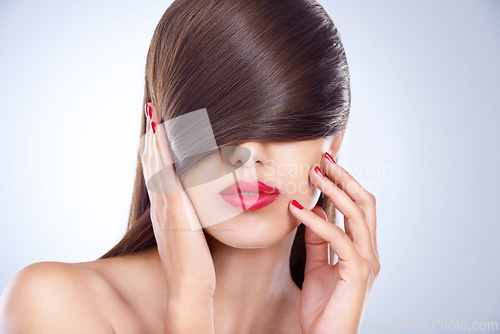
[54,297]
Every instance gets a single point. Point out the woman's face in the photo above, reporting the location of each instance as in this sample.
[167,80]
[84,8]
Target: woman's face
[234,215]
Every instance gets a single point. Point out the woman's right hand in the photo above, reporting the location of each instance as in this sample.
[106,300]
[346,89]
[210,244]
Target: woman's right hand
[182,246]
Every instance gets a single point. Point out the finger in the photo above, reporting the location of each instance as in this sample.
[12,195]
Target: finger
[146,159]
[168,179]
[316,247]
[336,238]
[370,256]
[358,228]
[157,162]
[152,168]
[175,198]
[354,190]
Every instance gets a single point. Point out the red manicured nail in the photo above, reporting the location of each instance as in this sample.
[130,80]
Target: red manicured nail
[317,207]
[153,127]
[317,170]
[297,205]
[329,157]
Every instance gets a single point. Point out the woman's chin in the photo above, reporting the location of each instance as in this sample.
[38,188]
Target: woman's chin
[248,231]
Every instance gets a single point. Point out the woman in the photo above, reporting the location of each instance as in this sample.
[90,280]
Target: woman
[246,104]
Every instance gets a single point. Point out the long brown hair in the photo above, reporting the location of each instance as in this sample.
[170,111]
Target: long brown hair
[272,71]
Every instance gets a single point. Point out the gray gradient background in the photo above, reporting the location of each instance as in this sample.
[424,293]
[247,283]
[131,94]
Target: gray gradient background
[422,136]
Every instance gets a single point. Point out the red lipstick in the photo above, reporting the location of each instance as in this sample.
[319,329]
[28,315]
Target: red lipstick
[252,195]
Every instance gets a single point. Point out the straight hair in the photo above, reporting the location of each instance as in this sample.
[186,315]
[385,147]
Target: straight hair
[269,71]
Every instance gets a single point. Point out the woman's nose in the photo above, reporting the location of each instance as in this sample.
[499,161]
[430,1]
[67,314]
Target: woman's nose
[246,155]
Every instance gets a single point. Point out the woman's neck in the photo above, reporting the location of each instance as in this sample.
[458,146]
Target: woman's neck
[254,287]
[254,292]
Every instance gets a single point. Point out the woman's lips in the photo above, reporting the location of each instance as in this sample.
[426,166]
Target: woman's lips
[250,195]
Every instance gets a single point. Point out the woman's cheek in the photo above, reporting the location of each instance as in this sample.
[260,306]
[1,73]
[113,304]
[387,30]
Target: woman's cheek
[209,206]
[300,187]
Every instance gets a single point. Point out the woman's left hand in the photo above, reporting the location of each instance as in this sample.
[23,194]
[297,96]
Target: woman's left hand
[334,296]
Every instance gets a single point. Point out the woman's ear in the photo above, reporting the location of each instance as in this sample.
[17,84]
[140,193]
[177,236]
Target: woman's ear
[336,143]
